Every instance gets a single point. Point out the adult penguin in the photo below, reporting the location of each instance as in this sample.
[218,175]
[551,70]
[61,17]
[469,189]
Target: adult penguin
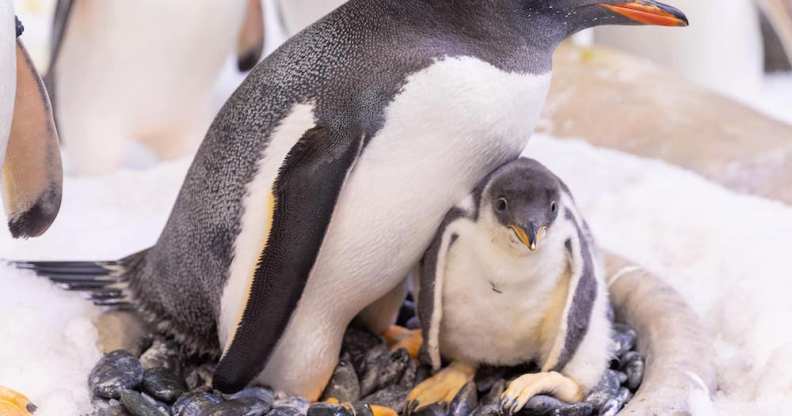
[29,153]
[142,70]
[325,176]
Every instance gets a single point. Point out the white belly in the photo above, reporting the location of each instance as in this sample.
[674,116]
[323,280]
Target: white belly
[452,124]
[7,74]
[494,303]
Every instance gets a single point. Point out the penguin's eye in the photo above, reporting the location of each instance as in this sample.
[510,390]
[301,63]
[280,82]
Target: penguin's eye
[554,206]
[501,204]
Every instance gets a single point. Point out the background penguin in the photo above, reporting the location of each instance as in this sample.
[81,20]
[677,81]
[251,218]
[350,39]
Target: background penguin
[29,153]
[142,70]
[325,176]
[512,277]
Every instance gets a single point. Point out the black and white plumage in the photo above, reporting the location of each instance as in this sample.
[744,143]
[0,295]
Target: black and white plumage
[324,177]
[513,276]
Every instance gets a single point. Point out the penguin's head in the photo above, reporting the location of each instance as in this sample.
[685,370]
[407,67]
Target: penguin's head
[523,199]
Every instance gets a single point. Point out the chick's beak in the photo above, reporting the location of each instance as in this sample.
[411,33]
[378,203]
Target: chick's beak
[529,237]
[648,12]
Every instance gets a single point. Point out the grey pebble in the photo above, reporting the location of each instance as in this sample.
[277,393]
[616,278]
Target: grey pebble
[344,385]
[606,389]
[436,409]
[116,371]
[410,376]
[327,409]
[372,362]
[163,384]
[487,410]
[393,396]
[247,406]
[285,411]
[465,401]
[284,400]
[110,407]
[141,405]
[195,403]
[258,393]
[623,338]
[493,396]
[358,344]
[633,366]
[610,408]
[541,405]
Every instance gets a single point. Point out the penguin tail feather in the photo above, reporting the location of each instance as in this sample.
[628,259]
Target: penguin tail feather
[105,283]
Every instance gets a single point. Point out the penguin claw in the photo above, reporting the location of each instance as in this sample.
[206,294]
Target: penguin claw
[440,388]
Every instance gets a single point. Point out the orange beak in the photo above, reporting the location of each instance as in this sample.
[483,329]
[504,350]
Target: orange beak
[648,13]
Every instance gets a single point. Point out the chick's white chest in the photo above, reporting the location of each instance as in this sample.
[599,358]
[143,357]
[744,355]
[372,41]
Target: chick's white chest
[494,302]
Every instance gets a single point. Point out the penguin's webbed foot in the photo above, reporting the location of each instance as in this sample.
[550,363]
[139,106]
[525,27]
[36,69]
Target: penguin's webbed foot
[527,386]
[440,388]
[399,337]
[14,404]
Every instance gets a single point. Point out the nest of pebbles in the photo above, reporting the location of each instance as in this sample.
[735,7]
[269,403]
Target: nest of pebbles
[162,383]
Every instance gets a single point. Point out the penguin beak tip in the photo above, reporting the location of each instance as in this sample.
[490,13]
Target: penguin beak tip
[648,12]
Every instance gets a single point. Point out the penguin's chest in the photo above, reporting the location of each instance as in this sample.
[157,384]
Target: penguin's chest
[452,124]
[495,304]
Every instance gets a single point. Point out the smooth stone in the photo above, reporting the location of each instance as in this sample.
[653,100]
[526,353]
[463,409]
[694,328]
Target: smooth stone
[248,406]
[326,409]
[285,400]
[344,385]
[162,354]
[391,373]
[413,323]
[541,405]
[116,371]
[195,403]
[605,390]
[393,396]
[625,395]
[494,394]
[258,393]
[199,377]
[377,358]
[633,366]
[623,339]
[487,377]
[163,384]
[465,401]
[110,407]
[577,409]
[410,374]
[285,411]
[487,410]
[610,408]
[436,409]
[141,405]
[358,344]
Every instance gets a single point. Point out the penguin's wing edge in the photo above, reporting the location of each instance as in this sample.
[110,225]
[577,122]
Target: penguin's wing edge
[250,46]
[579,305]
[60,24]
[32,176]
[305,194]
[430,282]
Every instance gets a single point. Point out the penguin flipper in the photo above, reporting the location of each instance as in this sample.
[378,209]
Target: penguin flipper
[60,23]
[579,304]
[32,174]
[304,194]
[430,282]
[251,37]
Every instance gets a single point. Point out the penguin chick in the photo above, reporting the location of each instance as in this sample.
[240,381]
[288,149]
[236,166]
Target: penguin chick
[512,277]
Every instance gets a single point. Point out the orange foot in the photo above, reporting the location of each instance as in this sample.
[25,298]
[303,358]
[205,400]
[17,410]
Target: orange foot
[400,337]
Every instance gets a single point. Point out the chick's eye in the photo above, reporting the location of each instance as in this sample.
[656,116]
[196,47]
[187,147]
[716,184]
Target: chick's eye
[501,205]
[554,206]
